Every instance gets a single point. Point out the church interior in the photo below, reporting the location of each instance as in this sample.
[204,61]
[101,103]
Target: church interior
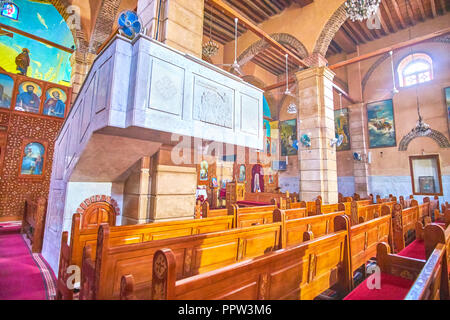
[224,150]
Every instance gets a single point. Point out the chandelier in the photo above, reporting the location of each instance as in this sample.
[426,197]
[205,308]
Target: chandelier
[361,9]
[210,48]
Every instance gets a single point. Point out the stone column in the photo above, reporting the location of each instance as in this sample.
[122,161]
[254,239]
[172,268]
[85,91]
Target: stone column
[181,23]
[358,143]
[81,62]
[318,173]
[136,195]
[358,131]
[172,188]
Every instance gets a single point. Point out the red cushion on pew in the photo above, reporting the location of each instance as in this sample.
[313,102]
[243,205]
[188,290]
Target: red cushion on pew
[252,203]
[391,288]
[415,249]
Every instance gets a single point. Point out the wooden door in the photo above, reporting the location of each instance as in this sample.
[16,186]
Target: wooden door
[98,213]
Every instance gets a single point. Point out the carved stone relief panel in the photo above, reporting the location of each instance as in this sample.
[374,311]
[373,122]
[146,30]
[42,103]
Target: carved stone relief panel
[213,103]
[250,116]
[167,87]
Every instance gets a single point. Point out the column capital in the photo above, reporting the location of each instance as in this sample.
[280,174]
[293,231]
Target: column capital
[315,72]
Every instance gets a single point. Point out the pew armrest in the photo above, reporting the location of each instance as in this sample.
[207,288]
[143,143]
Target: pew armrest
[127,285]
[404,267]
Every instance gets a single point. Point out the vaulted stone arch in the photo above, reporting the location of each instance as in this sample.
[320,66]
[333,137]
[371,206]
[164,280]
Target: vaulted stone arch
[261,45]
[445,39]
[104,24]
[329,30]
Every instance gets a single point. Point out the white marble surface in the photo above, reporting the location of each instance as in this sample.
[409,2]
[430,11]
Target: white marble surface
[401,186]
[146,85]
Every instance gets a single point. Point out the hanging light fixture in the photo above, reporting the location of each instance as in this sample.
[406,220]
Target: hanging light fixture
[361,9]
[210,48]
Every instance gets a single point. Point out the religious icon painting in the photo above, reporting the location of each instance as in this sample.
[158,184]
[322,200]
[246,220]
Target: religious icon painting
[204,170]
[29,97]
[214,182]
[33,159]
[288,137]
[55,102]
[242,173]
[380,123]
[6,90]
[341,125]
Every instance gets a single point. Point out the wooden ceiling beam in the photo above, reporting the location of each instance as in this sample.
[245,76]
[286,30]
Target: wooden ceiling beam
[256,17]
[352,30]
[231,12]
[419,5]
[344,41]
[383,24]
[398,13]
[303,3]
[444,7]
[409,11]
[433,8]
[388,14]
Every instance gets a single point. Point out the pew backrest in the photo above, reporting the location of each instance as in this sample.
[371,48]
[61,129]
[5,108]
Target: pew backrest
[33,222]
[315,226]
[428,284]
[301,272]
[140,233]
[194,254]
[403,221]
[365,237]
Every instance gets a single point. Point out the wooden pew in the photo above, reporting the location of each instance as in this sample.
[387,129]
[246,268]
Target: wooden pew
[72,254]
[383,200]
[247,216]
[313,226]
[403,221]
[33,222]
[365,237]
[403,278]
[203,211]
[364,210]
[300,272]
[296,205]
[444,218]
[434,234]
[291,213]
[193,254]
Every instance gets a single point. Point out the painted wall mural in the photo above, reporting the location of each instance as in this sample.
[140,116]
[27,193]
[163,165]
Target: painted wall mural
[341,125]
[381,124]
[288,137]
[46,62]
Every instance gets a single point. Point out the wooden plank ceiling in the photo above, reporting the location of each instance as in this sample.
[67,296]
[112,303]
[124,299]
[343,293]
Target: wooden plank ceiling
[221,27]
[395,15]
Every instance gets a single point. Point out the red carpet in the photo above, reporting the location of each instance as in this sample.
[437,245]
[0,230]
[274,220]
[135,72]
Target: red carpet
[23,275]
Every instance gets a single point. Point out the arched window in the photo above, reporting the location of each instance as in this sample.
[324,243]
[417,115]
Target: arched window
[415,68]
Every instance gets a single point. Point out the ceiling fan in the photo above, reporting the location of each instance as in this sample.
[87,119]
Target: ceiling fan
[235,66]
[287,91]
[394,90]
